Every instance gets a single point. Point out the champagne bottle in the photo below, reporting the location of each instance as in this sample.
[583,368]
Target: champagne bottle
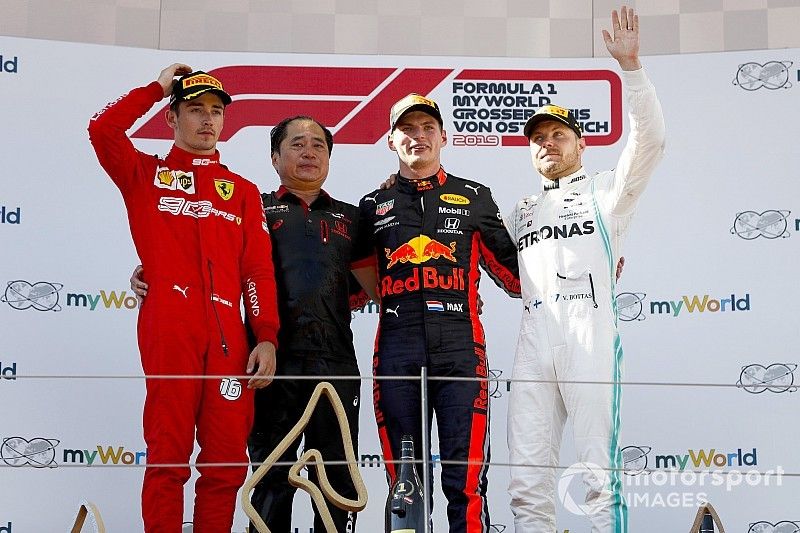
[405,510]
[707,525]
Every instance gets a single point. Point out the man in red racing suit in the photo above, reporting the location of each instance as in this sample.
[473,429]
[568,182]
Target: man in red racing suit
[200,233]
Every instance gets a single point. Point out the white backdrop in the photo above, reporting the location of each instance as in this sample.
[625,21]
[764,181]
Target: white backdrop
[720,218]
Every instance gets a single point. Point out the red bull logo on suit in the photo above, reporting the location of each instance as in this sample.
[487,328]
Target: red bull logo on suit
[420,249]
[432,278]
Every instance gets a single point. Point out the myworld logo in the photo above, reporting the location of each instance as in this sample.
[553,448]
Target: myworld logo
[103,454]
[632,306]
[637,460]
[681,479]
[102,300]
[700,304]
[355,101]
[707,458]
[46,296]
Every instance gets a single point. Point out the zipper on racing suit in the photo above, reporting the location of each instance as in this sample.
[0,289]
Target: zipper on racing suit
[214,307]
[423,307]
[591,285]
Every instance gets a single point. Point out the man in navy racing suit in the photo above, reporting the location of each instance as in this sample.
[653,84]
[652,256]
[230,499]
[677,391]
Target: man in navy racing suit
[430,231]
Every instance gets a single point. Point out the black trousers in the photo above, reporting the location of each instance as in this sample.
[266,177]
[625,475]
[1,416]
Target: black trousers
[278,408]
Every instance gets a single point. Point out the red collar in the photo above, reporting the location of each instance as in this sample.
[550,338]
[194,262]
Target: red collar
[182,158]
[424,184]
[282,192]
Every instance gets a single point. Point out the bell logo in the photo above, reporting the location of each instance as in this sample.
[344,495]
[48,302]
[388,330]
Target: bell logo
[10,66]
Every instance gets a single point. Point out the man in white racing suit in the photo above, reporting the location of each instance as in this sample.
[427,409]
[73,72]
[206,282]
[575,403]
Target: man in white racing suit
[569,240]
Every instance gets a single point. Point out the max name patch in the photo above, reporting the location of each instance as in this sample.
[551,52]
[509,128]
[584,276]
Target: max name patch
[174,180]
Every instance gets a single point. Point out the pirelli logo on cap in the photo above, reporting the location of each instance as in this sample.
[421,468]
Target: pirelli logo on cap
[555,110]
[414,99]
[202,79]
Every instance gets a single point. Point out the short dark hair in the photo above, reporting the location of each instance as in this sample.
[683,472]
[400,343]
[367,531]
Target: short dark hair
[175,107]
[278,133]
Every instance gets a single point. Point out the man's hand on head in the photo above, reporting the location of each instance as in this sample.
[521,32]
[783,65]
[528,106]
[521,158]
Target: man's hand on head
[167,76]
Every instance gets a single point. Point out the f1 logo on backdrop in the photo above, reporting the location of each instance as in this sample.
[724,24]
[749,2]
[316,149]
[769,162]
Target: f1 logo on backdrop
[355,101]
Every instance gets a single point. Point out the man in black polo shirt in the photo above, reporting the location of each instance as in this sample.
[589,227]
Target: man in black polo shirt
[316,242]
